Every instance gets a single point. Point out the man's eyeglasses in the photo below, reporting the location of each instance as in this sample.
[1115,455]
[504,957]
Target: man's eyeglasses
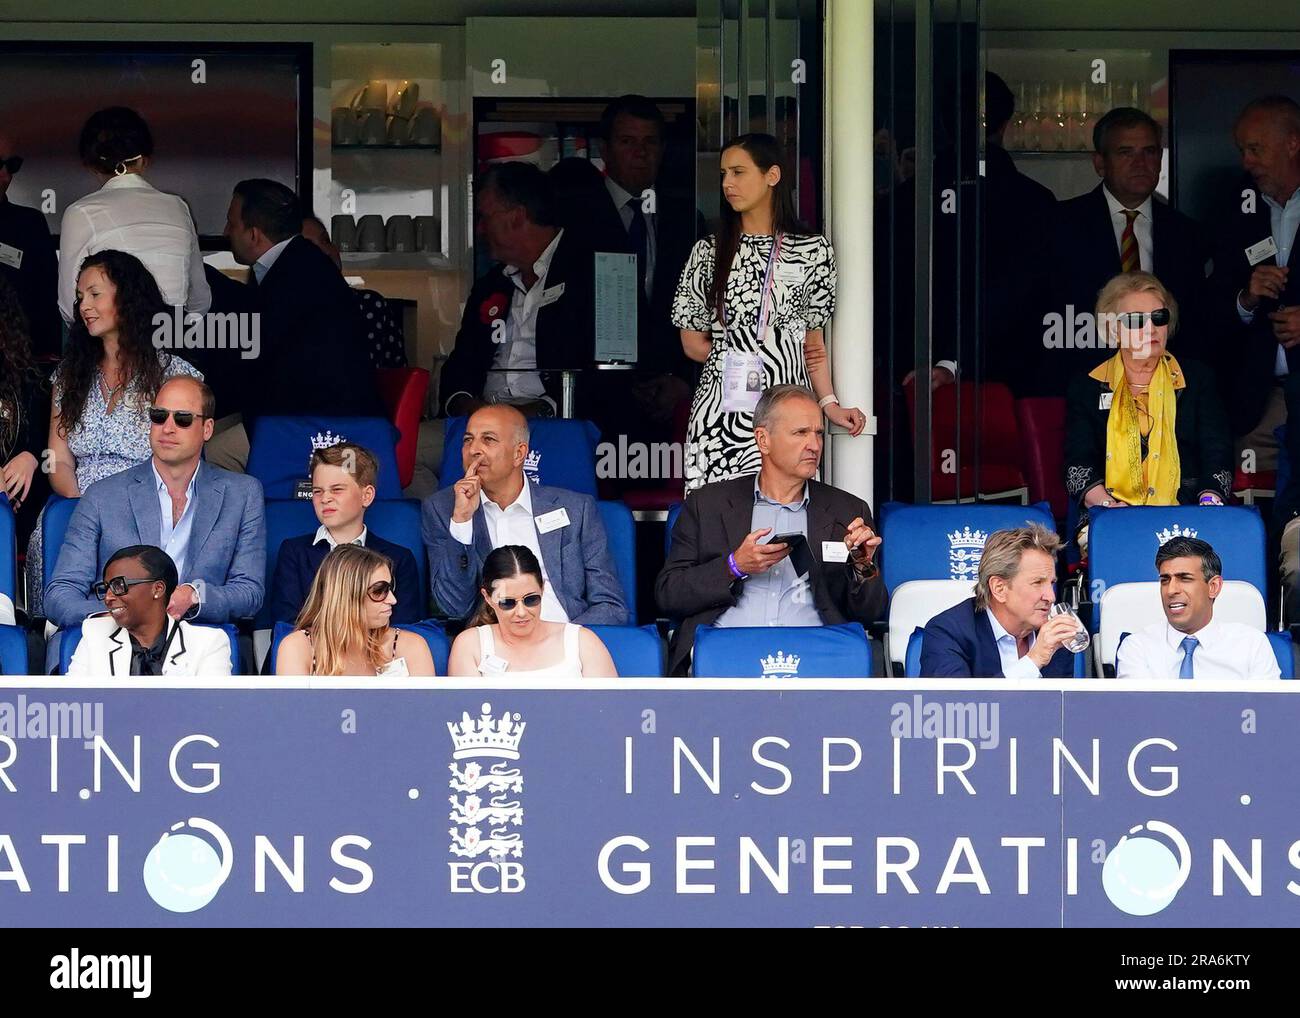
[1137,319]
[119,585]
[183,418]
[13,164]
[507,604]
[379,592]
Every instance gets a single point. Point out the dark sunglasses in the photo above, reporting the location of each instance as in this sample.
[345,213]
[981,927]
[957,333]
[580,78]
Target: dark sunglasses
[507,604]
[183,418]
[1137,319]
[119,585]
[13,164]
[379,591]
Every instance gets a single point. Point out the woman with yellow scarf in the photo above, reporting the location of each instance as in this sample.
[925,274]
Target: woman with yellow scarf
[1143,428]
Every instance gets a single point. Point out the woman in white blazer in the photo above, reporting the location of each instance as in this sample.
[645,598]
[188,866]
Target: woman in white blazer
[135,636]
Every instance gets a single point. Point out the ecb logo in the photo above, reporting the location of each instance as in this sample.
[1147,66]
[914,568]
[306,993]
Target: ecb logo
[484,828]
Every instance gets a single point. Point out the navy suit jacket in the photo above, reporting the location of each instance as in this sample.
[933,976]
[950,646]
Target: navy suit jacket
[959,644]
[300,560]
[226,559]
[578,564]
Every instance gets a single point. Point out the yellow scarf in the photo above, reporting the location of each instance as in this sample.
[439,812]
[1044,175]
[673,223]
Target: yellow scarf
[1155,480]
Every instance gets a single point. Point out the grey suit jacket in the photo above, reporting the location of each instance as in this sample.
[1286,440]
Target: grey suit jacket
[227,549]
[577,559]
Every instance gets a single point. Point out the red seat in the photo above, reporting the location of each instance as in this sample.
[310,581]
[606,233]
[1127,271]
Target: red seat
[1042,423]
[403,391]
[1249,487]
[952,475]
[659,498]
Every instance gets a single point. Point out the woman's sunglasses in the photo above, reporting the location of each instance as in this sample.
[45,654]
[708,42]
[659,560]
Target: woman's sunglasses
[1137,319]
[119,585]
[379,591]
[183,418]
[507,604]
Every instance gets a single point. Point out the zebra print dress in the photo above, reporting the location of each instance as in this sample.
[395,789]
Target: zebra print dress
[720,445]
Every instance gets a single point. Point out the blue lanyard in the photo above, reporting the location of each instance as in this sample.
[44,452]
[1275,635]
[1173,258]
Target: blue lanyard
[763,306]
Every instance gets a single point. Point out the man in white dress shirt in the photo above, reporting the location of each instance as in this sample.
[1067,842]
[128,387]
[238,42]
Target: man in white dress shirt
[1190,643]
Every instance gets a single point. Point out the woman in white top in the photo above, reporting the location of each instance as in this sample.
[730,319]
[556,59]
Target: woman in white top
[128,214]
[343,628]
[508,637]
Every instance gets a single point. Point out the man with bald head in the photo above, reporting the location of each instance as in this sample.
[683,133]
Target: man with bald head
[495,504]
[28,259]
[210,521]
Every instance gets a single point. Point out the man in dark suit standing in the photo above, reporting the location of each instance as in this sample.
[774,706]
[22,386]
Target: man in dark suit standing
[725,567]
[313,357]
[1117,227]
[1004,630]
[28,259]
[531,312]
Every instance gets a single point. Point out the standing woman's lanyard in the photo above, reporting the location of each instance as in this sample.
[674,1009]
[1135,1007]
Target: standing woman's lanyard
[743,375]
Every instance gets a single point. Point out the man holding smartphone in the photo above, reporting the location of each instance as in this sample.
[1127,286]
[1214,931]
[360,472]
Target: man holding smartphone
[774,549]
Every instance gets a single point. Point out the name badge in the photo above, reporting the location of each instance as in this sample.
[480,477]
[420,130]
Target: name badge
[493,665]
[1262,251]
[552,294]
[788,273]
[835,551]
[553,520]
[1104,402]
[11,256]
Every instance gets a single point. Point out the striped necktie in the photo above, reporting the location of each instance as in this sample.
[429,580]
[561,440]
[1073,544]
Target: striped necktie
[1130,258]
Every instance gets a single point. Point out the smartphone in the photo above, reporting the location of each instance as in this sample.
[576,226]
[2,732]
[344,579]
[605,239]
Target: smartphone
[790,539]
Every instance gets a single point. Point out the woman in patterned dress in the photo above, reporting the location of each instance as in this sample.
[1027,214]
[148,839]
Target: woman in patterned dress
[772,274]
[103,386]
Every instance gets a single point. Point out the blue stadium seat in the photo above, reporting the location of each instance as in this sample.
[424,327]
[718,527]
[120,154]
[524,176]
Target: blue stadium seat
[674,511]
[917,640]
[945,542]
[620,531]
[8,562]
[794,652]
[280,448]
[54,524]
[561,453]
[637,650]
[434,635]
[13,650]
[396,520]
[1284,651]
[1122,543]
[71,636]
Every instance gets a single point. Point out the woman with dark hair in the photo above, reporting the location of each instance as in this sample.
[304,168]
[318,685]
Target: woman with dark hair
[128,214]
[754,298]
[135,635]
[343,629]
[508,637]
[24,410]
[102,388]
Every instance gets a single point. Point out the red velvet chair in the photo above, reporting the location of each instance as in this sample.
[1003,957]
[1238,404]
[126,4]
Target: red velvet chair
[1000,474]
[1042,425]
[653,503]
[403,391]
[1249,487]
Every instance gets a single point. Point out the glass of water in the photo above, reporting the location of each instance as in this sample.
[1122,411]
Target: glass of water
[1081,638]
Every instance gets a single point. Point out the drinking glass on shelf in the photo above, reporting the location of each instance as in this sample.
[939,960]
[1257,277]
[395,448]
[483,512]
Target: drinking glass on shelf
[1081,639]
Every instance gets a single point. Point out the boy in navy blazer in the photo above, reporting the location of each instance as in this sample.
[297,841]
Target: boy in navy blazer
[1004,631]
[342,487]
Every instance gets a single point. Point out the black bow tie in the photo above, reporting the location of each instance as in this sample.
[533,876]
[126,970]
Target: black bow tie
[149,660]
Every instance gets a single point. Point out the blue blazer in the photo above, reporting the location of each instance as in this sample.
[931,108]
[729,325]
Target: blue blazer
[300,560]
[577,559]
[959,644]
[227,549]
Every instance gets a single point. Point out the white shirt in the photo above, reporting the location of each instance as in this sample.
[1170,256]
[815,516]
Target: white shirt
[621,198]
[1013,665]
[175,538]
[1283,221]
[263,265]
[519,351]
[323,534]
[1141,227]
[1224,650]
[514,525]
[129,214]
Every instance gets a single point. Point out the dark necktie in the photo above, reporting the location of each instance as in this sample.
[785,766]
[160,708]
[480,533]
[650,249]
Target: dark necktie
[637,238]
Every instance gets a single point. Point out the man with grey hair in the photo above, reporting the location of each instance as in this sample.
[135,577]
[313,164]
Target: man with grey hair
[1004,631]
[495,504]
[774,549]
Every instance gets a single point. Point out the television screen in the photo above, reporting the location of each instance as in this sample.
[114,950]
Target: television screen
[217,115]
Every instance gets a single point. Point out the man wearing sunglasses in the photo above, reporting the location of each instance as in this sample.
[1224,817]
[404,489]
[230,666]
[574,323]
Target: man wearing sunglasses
[28,259]
[210,521]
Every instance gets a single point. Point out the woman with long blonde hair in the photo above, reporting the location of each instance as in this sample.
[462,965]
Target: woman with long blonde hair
[343,629]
